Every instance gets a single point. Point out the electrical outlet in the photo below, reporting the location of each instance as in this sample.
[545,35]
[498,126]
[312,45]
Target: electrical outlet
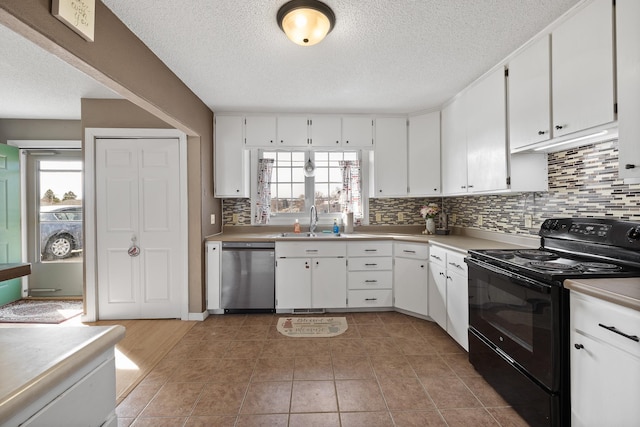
[400,216]
[378,217]
[453,218]
[528,221]
[235,218]
[213,219]
[480,220]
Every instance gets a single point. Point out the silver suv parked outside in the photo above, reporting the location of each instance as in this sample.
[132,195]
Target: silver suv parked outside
[61,232]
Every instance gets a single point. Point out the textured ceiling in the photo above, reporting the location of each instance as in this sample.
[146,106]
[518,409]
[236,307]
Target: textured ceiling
[384,56]
[35,84]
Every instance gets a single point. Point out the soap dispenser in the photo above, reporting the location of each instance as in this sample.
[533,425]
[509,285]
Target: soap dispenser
[336,229]
[296,226]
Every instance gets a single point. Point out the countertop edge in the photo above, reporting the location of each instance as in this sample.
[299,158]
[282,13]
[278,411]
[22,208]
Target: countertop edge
[611,296]
[38,386]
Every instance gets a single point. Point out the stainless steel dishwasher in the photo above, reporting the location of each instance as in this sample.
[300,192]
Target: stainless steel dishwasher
[248,277]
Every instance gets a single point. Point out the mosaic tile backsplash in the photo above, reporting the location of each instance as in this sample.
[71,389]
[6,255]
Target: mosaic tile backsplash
[583,182]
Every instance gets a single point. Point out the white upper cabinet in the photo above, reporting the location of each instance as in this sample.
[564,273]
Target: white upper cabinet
[582,64]
[486,134]
[529,95]
[231,160]
[357,132]
[325,131]
[260,131]
[424,155]
[292,131]
[390,161]
[628,39]
[454,148]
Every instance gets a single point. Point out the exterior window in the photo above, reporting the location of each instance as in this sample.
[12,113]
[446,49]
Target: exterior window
[293,193]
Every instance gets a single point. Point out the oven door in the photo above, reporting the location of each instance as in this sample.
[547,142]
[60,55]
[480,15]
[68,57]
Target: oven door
[519,316]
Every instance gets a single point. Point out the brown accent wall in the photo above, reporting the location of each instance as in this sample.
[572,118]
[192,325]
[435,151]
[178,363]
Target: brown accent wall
[59,130]
[120,61]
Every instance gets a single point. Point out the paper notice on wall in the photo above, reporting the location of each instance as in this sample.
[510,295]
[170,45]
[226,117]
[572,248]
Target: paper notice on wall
[79,15]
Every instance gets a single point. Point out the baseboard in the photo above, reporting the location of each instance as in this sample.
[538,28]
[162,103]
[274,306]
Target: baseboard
[198,316]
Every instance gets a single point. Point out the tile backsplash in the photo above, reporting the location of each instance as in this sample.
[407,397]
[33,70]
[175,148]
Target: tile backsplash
[583,182]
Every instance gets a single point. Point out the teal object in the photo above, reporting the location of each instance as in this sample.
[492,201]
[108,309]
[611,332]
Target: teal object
[336,229]
[10,237]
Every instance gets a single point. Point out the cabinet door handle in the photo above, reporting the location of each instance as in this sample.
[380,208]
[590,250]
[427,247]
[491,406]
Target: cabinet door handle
[558,127]
[408,252]
[619,332]
[629,166]
[441,273]
[542,132]
[371,265]
[311,250]
[371,250]
[371,299]
[436,257]
[578,346]
[455,265]
[370,281]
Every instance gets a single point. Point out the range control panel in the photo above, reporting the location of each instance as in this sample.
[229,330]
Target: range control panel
[602,231]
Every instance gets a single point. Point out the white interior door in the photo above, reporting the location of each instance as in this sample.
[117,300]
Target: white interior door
[138,206]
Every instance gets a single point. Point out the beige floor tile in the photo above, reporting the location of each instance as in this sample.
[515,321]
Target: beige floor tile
[445,344]
[449,393]
[468,417]
[233,370]
[220,333]
[405,394]
[312,347]
[414,347]
[208,349]
[211,421]
[276,348]
[460,364]
[418,419]
[244,349]
[394,317]
[197,370]
[507,417]
[267,398]
[174,400]
[272,420]
[352,367]
[359,395]
[353,347]
[366,419]
[159,422]
[136,401]
[484,392]
[327,419]
[125,422]
[366,319]
[261,319]
[380,346]
[313,368]
[313,396]
[430,366]
[372,331]
[273,369]
[392,367]
[403,330]
[253,332]
[221,399]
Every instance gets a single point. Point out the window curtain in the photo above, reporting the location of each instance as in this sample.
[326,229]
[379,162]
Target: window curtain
[263,202]
[350,197]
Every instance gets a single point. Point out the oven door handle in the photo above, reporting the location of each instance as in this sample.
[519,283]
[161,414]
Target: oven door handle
[520,280]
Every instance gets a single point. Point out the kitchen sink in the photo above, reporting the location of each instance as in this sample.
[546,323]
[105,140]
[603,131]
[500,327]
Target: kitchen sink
[308,235]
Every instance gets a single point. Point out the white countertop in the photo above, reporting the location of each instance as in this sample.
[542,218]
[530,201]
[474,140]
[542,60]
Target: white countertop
[32,360]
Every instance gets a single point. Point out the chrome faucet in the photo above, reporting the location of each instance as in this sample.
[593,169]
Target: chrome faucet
[313,220]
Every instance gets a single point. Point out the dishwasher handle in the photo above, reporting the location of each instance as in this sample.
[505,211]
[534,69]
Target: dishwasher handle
[248,245]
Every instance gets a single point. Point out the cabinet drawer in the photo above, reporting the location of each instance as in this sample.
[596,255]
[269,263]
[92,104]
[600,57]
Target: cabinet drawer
[360,264]
[411,250]
[310,249]
[437,255]
[369,249]
[455,262]
[588,313]
[370,280]
[372,298]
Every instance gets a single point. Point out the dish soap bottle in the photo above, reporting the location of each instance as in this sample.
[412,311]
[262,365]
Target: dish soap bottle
[296,226]
[336,229]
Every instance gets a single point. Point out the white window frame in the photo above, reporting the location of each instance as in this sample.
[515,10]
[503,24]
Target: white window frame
[304,217]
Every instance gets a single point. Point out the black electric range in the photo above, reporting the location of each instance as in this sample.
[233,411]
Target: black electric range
[519,310]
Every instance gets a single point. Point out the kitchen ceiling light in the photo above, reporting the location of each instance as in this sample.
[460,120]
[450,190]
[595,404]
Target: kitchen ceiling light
[309,168]
[306,22]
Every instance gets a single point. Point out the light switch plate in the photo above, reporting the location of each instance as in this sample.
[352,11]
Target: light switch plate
[400,216]
[213,219]
[528,221]
[235,218]
[378,217]
[480,220]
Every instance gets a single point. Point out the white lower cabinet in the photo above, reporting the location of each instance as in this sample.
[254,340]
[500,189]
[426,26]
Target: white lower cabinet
[449,293]
[311,275]
[605,364]
[213,254]
[410,277]
[370,278]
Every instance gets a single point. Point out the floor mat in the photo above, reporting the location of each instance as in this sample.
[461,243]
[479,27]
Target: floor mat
[40,311]
[320,327]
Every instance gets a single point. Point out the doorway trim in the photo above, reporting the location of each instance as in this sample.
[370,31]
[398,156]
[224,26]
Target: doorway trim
[91,282]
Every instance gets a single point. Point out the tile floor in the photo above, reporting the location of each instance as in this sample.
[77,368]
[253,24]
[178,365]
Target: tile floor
[387,369]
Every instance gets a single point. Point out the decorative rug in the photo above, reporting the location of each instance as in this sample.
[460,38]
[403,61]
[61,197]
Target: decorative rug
[318,327]
[40,311]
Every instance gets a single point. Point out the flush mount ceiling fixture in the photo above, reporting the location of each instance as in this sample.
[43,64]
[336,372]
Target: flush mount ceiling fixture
[306,22]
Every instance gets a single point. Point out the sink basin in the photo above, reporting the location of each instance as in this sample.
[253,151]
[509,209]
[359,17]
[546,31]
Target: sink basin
[307,235]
